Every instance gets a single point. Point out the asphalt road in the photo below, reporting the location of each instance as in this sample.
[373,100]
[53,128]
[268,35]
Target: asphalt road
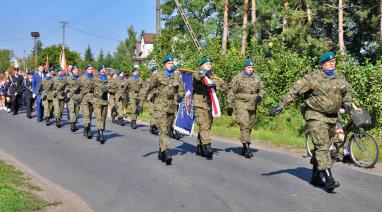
[125,174]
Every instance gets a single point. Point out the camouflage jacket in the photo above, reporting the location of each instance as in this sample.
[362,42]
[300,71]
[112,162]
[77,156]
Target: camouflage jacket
[134,87]
[323,95]
[243,91]
[59,86]
[121,88]
[168,90]
[101,91]
[87,87]
[152,93]
[73,89]
[47,89]
[201,97]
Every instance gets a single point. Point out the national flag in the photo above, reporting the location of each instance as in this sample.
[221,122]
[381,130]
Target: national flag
[214,98]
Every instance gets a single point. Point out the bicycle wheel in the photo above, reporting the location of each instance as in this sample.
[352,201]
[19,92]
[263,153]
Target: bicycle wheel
[309,145]
[364,150]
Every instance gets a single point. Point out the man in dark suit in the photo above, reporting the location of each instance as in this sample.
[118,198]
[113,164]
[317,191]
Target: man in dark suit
[17,82]
[36,81]
[27,90]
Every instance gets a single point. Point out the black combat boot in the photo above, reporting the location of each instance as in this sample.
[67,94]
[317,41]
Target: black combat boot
[155,130]
[113,119]
[199,150]
[250,153]
[160,155]
[208,151]
[330,184]
[167,157]
[89,133]
[73,127]
[121,122]
[100,137]
[244,149]
[47,122]
[58,124]
[316,180]
[134,124]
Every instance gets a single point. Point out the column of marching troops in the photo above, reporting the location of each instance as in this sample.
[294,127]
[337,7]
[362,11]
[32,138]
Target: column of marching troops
[324,90]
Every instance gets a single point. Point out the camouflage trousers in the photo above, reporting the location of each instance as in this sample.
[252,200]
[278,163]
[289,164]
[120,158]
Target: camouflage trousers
[204,120]
[87,110]
[113,105]
[58,107]
[246,120]
[165,122]
[74,108]
[120,107]
[322,135]
[48,107]
[100,111]
[153,114]
[133,105]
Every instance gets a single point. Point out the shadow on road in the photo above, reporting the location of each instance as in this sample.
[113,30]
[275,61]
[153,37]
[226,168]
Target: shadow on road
[300,172]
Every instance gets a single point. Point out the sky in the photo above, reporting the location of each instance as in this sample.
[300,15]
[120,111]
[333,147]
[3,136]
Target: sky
[105,18]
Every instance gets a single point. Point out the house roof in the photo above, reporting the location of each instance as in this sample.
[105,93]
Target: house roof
[148,38]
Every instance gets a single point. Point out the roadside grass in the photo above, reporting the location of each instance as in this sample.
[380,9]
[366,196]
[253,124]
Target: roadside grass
[16,191]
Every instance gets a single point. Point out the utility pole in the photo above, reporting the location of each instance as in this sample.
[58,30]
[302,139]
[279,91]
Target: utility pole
[158,17]
[64,24]
[35,36]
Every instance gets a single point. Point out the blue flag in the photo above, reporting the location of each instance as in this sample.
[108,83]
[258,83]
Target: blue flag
[184,122]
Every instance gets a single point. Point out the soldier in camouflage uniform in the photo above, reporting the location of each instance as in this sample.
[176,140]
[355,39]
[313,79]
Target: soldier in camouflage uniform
[151,99]
[100,102]
[87,93]
[134,86]
[325,91]
[59,85]
[170,92]
[202,107]
[121,84]
[47,95]
[246,91]
[112,100]
[74,96]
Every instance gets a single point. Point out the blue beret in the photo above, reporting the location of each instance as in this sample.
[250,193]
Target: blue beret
[88,66]
[204,60]
[248,62]
[59,68]
[327,56]
[167,58]
[74,67]
[101,67]
[120,71]
[135,69]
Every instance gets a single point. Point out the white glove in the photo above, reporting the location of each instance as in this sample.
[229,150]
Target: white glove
[34,96]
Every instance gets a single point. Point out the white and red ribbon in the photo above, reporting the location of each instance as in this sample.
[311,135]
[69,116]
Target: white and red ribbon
[216,112]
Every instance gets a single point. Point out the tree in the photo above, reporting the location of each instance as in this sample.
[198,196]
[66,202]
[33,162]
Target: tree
[5,59]
[54,51]
[125,49]
[108,59]
[253,14]
[89,58]
[101,58]
[245,30]
[341,42]
[225,27]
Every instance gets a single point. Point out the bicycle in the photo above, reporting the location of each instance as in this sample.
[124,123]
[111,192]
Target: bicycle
[363,147]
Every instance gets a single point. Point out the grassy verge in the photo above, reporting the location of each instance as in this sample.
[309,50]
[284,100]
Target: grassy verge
[16,191]
[286,130]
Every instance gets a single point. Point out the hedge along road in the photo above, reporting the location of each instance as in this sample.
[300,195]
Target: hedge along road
[125,174]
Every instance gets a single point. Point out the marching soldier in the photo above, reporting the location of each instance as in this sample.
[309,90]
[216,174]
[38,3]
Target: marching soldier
[203,107]
[121,84]
[74,96]
[47,95]
[246,91]
[151,99]
[112,100]
[134,86]
[101,91]
[87,94]
[170,91]
[325,91]
[59,85]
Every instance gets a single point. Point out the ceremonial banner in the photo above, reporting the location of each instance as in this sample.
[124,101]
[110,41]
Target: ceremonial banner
[63,63]
[184,121]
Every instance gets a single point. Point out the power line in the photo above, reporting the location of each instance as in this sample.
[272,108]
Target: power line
[91,34]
